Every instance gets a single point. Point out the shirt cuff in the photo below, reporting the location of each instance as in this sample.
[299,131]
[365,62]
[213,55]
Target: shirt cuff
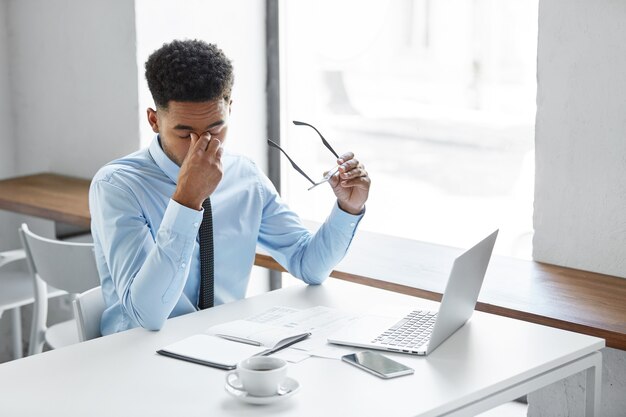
[182,220]
[344,221]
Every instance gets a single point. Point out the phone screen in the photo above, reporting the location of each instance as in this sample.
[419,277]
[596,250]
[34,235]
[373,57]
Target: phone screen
[377,364]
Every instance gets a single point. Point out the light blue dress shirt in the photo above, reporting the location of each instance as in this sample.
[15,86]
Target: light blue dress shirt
[147,249]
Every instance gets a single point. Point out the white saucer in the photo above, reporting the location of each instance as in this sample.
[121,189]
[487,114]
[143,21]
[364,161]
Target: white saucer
[290,387]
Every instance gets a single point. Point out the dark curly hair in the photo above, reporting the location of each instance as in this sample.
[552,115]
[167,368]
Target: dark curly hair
[189,70]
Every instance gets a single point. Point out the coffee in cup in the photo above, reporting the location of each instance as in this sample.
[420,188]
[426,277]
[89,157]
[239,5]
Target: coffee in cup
[260,376]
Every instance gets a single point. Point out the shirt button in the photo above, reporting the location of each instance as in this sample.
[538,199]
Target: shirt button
[195,224]
[183,265]
[352,224]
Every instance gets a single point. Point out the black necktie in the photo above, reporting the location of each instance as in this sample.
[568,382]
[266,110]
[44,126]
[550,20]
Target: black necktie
[206,257]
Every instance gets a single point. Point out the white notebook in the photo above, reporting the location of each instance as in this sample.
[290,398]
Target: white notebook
[224,345]
[210,350]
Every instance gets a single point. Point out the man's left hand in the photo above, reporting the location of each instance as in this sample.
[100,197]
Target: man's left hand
[351,184]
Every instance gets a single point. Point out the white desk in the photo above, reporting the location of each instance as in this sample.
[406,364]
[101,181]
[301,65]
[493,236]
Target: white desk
[489,361]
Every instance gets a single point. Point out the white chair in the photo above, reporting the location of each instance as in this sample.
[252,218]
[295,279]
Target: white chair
[16,291]
[68,266]
[88,309]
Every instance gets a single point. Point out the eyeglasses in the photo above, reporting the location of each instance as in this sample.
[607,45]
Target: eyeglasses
[328,175]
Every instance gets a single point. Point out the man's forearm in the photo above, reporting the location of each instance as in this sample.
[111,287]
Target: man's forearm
[161,277]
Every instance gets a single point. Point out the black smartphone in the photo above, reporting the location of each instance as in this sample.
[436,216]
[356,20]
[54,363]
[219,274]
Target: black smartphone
[377,364]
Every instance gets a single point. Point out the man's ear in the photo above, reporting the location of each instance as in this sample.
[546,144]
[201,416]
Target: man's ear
[153,119]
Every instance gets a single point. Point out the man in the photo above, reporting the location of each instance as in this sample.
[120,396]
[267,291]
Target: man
[147,207]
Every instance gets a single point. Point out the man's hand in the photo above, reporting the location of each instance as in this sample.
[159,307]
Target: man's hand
[200,172]
[351,184]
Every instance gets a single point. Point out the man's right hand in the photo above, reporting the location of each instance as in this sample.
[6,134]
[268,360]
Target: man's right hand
[200,172]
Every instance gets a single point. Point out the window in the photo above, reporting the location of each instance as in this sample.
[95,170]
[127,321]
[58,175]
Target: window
[437,98]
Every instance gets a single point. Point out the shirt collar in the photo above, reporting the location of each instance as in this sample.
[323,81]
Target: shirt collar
[163,161]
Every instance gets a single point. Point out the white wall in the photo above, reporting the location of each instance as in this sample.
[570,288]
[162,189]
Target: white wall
[580,188]
[7,163]
[74,84]
[7,146]
[238,28]
[8,221]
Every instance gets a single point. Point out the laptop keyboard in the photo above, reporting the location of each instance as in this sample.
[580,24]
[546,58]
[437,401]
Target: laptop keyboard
[411,332]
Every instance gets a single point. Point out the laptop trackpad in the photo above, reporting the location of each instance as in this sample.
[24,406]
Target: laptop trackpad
[362,330]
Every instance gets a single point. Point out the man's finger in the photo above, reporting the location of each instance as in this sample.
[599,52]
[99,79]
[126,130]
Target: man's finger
[199,143]
[354,173]
[349,165]
[213,149]
[360,182]
[194,140]
[214,145]
[345,157]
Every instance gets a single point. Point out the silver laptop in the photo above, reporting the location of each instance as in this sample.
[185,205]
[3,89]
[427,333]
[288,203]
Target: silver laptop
[420,332]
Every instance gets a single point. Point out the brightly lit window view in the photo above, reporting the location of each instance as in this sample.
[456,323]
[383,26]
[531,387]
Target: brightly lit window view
[436,98]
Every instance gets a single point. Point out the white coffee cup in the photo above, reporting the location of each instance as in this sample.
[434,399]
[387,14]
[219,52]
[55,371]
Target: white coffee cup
[260,376]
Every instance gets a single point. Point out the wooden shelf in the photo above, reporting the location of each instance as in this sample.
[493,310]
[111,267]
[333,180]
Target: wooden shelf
[49,196]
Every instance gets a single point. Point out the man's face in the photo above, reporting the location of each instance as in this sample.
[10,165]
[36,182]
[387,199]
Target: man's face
[176,124]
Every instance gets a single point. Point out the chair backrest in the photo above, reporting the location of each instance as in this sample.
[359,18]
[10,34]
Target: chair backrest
[88,309]
[68,266]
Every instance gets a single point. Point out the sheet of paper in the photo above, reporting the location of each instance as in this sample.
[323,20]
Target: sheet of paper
[274,315]
[320,321]
[291,355]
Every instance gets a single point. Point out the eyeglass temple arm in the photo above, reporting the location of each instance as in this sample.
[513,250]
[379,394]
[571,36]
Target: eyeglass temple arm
[293,164]
[330,148]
